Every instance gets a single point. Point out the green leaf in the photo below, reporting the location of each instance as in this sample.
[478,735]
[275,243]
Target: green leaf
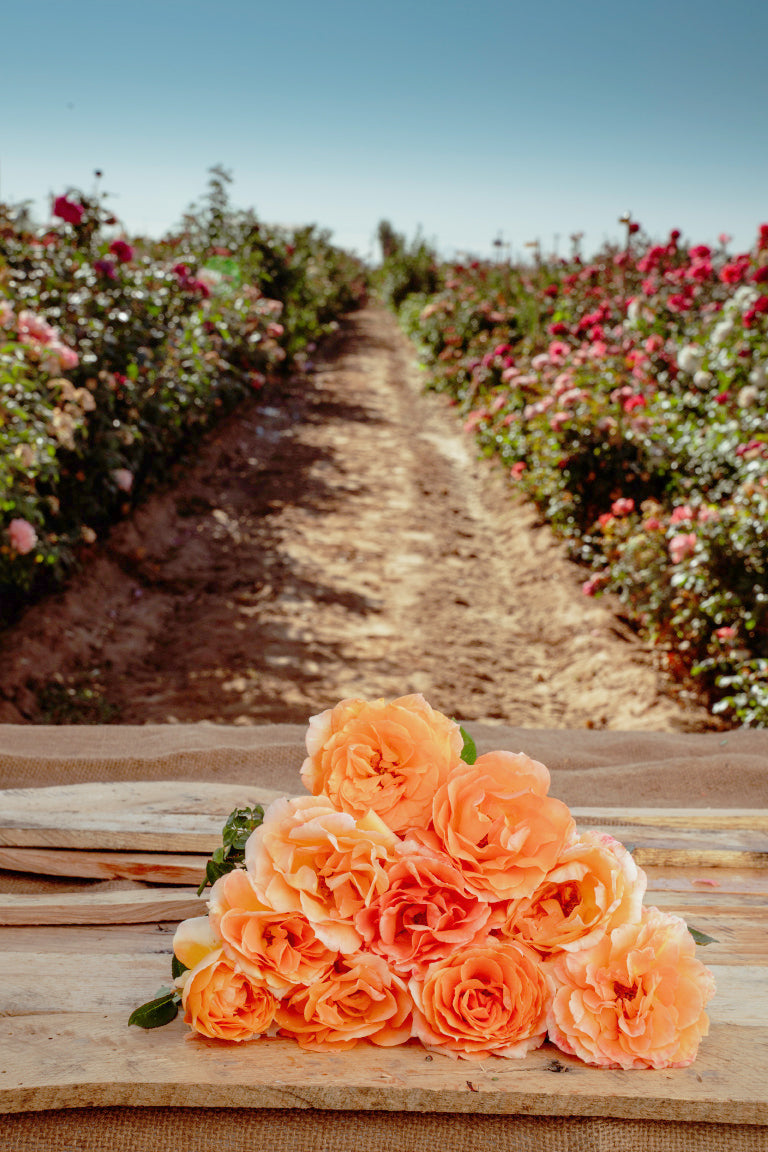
[156,1013]
[177,967]
[235,833]
[701,937]
[469,751]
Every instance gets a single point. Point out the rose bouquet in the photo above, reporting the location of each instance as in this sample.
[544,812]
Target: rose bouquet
[419,892]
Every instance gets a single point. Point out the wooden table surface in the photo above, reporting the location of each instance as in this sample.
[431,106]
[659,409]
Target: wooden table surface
[76,963]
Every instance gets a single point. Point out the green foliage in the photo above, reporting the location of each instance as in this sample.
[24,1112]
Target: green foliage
[406,268]
[231,853]
[158,1012]
[469,749]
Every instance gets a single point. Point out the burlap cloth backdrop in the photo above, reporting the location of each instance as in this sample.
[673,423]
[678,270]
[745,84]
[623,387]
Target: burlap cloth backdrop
[611,769]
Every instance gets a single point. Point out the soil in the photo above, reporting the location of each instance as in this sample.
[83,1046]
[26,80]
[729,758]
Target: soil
[337,539]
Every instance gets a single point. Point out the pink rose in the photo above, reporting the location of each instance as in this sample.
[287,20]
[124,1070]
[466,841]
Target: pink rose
[122,250]
[623,506]
[680,514]
[123,478]
[68,210]
[22,536]
[682,546]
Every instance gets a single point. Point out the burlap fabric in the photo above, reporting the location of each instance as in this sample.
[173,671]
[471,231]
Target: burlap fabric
[294,1130]
[639,769]
[612,769]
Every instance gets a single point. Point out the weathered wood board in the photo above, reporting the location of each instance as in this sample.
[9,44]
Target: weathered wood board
[96,864]
[132,906]
[148,815]
[69,987]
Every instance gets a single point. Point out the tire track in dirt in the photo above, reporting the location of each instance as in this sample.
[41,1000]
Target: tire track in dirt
[339,540]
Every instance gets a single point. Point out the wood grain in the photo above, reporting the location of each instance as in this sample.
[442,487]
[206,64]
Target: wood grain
[148,867]
[94,1059]
[135,906]
[150,815]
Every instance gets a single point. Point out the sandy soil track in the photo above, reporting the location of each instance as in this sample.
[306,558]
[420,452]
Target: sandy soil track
[346,542]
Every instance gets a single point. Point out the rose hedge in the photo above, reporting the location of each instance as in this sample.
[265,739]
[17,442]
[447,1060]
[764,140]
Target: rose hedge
[628,396]
[115,354]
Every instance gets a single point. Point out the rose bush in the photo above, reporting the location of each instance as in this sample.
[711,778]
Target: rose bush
[615,391]
[115,355]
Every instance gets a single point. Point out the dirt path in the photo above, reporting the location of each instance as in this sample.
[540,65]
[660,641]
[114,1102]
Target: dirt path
[344,543]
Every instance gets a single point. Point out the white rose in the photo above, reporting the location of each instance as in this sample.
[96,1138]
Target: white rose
[722,330]
[689,358]
[747,396]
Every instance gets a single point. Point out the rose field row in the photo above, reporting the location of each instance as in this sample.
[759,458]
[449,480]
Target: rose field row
[627,395]
[116,353]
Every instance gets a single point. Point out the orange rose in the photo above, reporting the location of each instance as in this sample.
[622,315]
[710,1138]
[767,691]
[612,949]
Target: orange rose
[279,949]
[594,886]
[387,756]
[307,857]
[635,999]
[488,999]
[221,1002]
[425,914]
[359,999]
[497,824]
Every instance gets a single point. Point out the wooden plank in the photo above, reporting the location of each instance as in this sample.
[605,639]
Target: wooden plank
[716,848]
[91,1059]
[132,906]
[691,879]
[75,986]
[150,815]
[149,867]
[59,982]
[96,939]
[184,816]
[725,818]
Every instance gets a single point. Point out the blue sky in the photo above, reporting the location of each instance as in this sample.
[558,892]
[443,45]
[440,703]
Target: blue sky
[533,120]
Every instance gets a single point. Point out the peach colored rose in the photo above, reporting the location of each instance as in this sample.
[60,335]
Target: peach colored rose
[280,949]
[359,999]
[221,1002]
[488,999]
[594,886]
[307,857]
[495,821]
[425,914]
[635,999]
[389,756]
